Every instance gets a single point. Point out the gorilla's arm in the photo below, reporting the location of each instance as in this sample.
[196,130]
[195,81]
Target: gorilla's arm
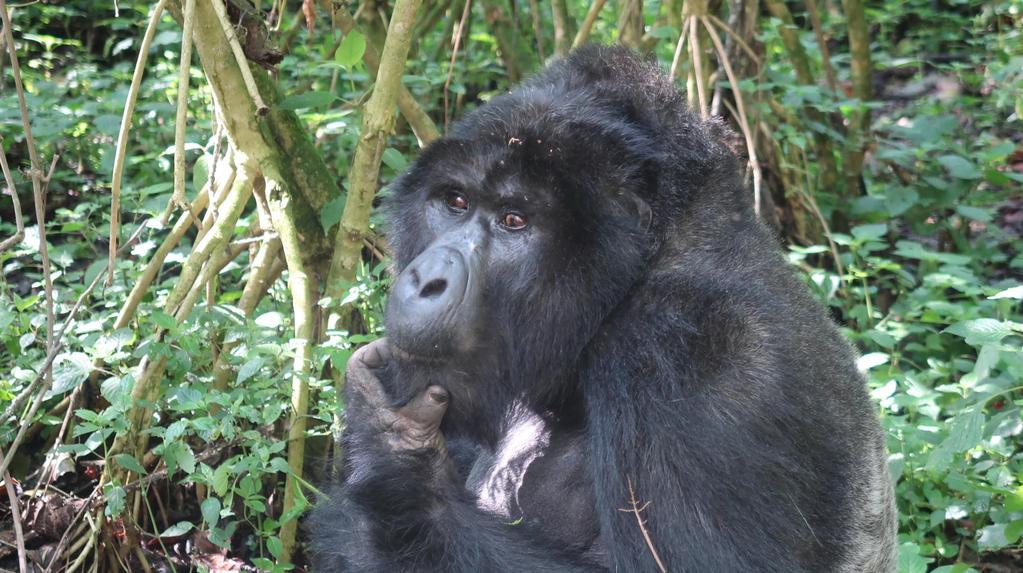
[702,439]
[403,507]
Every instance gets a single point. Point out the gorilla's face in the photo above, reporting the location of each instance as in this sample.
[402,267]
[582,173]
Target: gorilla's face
[485,234]
[512,243]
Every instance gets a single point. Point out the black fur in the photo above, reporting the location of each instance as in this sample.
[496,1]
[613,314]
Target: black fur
[650,321]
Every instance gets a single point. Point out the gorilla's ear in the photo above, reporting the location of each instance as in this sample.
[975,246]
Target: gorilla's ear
[639,209]
[634,208]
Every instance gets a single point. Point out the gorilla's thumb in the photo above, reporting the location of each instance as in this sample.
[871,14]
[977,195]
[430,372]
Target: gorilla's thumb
[428,408]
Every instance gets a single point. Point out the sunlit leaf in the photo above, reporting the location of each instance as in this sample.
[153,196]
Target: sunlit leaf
[351,49]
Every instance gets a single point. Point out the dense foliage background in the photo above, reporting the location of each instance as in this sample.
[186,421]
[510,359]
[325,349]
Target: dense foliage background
[898,195]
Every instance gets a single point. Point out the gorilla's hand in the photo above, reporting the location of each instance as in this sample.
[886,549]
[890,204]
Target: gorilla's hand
[414,426]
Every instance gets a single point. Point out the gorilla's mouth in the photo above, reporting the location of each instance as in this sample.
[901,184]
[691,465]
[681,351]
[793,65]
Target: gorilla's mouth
[408,356]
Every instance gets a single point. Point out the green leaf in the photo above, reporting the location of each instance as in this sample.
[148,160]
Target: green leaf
[221,536]
[1015,292]
[221,479]
[394,159]
[1014,501]
[175,431]
[975,213]
[330,214]
[280,465]
[115,495]
[210,509]
[993,537]
[914,250]
[274,545]
[164,320]
[187,459]
[249,369]
[870,232]
[108,344]
[69,370]
[1014,530]
[868,361]
[966,431]
[664,33]
[351,49]
[980,331]
[128,462]
[178,529]
[201,172]
[178,455]
[957,568]
[959,167]
[910,560]
[272,319]
[306,100]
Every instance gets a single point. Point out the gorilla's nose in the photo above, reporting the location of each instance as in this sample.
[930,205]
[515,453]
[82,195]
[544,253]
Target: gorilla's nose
[428,289]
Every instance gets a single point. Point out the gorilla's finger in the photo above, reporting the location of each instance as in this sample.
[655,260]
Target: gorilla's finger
[428,408]
[361,381]
[376,354]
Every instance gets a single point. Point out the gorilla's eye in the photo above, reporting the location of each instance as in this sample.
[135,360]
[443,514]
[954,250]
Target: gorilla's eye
[457,202]
[513,221]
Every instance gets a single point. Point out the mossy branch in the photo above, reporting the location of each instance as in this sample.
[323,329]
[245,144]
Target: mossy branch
[583,35]
[278,142]
[563,27]
[377,123]
[861,66]
[303,299]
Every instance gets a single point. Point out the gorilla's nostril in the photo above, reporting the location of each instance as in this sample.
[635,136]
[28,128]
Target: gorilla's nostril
[434,288]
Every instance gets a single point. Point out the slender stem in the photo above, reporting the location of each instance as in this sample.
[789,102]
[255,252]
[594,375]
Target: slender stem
[822,44]
[583,35]
[122,134]
[697,57]
[39,380]
[19,221]
[38,192]
[300,284]
[142,284]
[422,125]
[19,536]
[378,120]
[679,47]
[562,28]
[744,124]
[534,13]
[454,56]
[738,39]
[239,56]
[181,120]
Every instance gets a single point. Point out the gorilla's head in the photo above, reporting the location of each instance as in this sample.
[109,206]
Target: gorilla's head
[518,234]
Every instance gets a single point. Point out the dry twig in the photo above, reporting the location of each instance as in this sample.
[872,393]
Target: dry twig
[744,125]
[19,221]
[19,535]
[637,510]
[454,57]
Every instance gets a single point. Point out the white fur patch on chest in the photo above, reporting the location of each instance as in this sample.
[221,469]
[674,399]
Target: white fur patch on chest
[524,441]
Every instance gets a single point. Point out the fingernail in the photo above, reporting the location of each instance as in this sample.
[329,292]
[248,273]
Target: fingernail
[439,397]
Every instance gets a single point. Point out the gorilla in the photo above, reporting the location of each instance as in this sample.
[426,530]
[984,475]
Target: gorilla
[597,359]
